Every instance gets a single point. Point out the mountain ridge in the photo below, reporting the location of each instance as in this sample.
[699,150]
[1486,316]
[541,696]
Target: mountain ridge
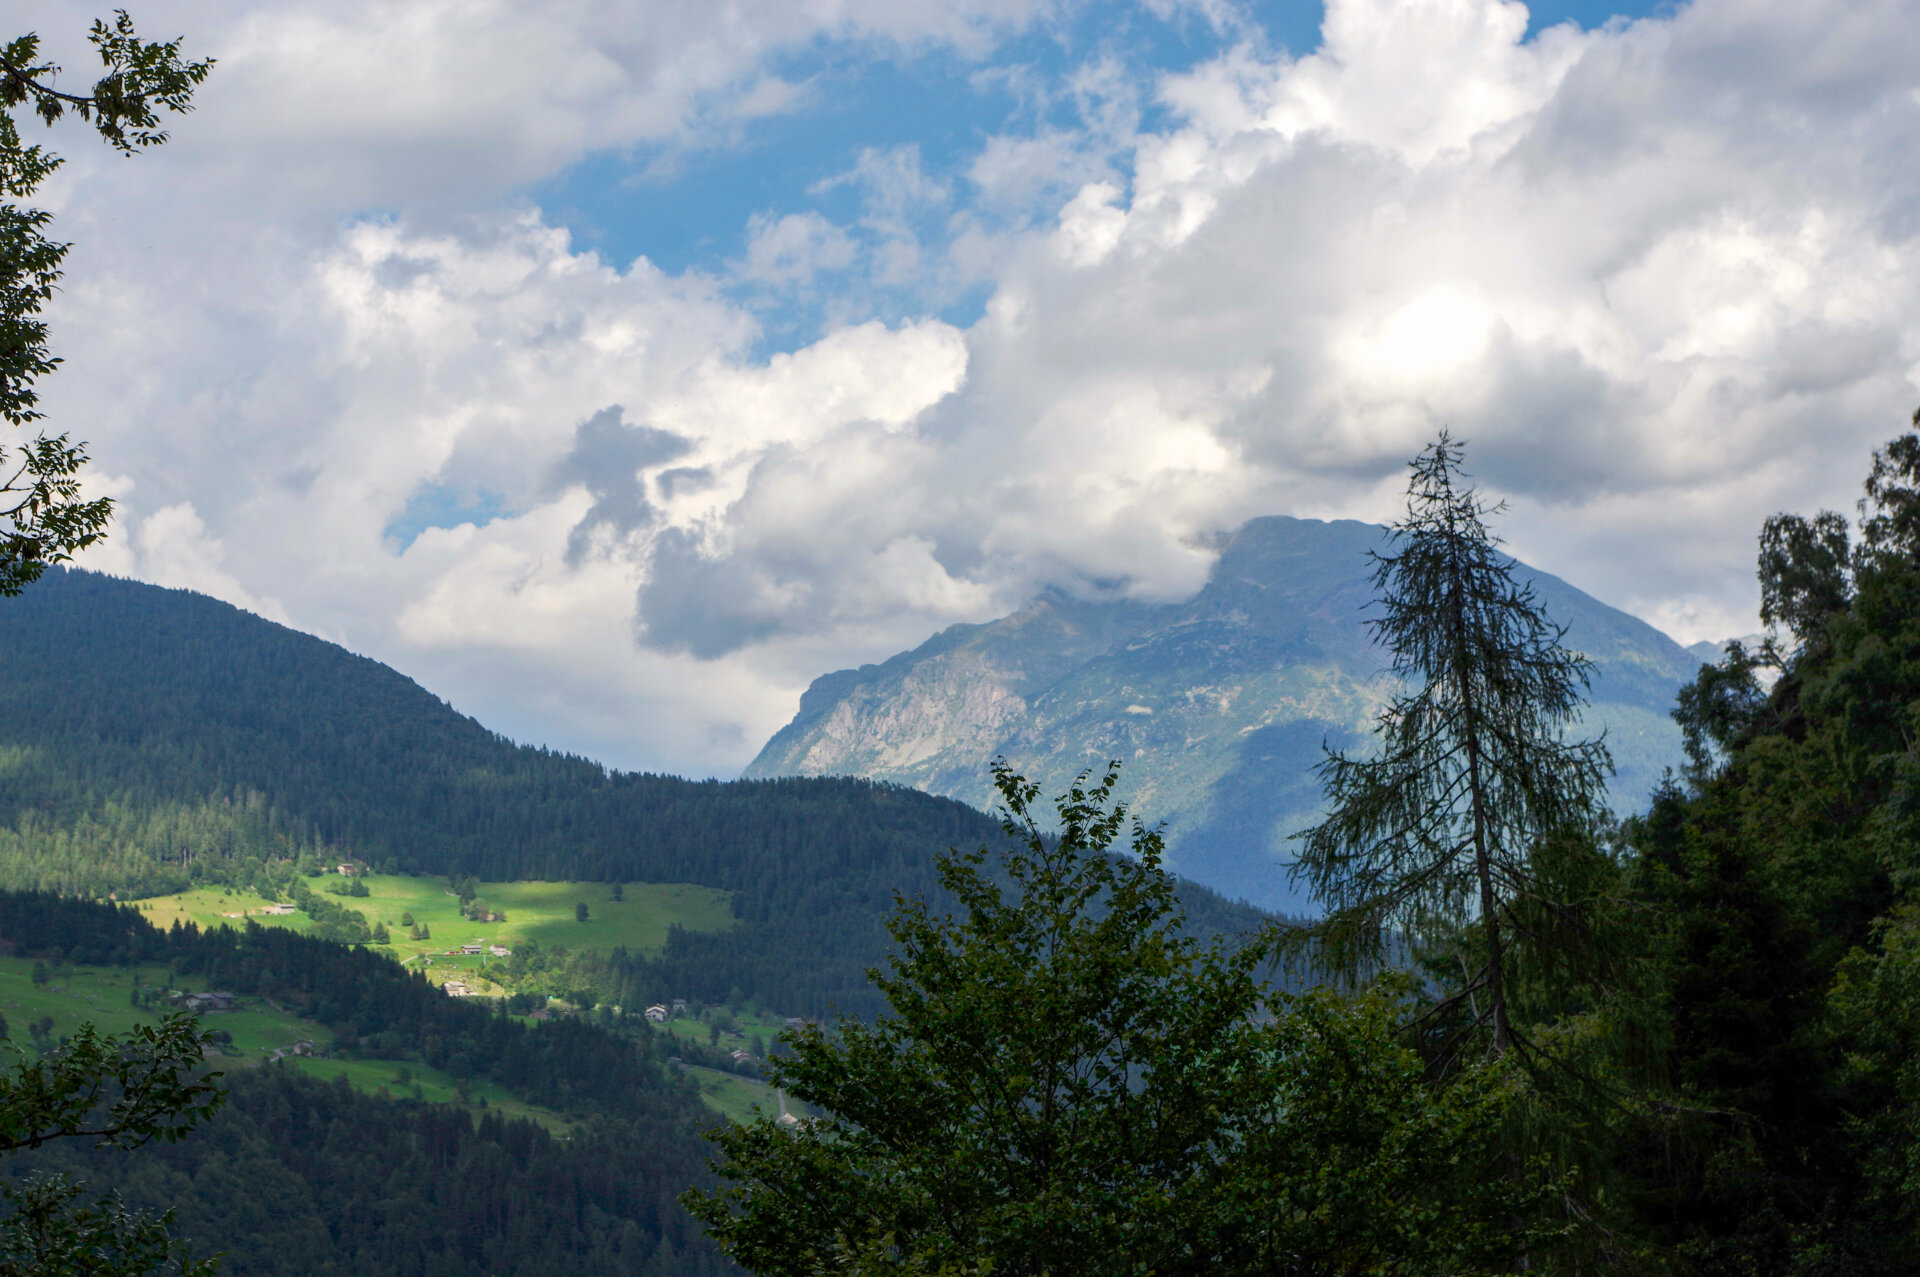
[164,738]
[1217,705]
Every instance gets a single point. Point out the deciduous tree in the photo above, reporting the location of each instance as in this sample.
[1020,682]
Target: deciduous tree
[46,515]
[1066,1083]
[115,1091]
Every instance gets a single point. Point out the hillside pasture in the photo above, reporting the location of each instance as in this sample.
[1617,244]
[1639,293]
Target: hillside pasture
[544,912]
[102,996]
[738,1099]
[399,1080]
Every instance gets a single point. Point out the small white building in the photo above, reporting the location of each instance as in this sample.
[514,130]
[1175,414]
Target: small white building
[457,989]
[657,1015]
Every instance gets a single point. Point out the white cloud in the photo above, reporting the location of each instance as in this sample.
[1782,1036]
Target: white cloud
[172,547]
[1665,276]
[793,249]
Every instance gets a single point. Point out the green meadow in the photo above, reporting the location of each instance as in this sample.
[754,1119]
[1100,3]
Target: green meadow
[103,997]
[405,1080]
[736,1098]
[545,912]
[737,1028]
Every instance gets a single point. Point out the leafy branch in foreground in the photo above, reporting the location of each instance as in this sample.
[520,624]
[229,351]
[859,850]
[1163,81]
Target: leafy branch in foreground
[118,1092]
[47,516]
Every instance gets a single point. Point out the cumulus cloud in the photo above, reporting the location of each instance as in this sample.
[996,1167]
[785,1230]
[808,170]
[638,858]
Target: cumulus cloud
[1664,275]
[348,105]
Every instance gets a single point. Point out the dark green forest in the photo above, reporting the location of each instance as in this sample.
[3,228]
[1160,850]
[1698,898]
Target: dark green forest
[167,739]
[1785,877]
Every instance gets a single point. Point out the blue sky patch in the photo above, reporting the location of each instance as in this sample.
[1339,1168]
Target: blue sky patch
[435,505]
[699,209]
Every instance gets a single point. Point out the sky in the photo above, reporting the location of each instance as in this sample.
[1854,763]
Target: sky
[615,369]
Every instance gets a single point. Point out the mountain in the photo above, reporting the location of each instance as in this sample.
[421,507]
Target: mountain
[151,739]
[1217,706]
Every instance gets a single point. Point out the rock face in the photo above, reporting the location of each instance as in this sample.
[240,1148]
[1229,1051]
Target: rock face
[1217,707]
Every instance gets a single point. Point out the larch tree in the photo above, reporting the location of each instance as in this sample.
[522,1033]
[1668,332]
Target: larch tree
[1434,834]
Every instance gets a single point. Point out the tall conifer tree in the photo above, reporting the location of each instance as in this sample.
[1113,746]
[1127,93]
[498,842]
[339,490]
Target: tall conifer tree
[1434,833]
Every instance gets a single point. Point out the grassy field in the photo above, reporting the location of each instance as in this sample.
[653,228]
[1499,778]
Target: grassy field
[538,911]
[737,1098]
[417,1081]
[746,1026]
[103,996]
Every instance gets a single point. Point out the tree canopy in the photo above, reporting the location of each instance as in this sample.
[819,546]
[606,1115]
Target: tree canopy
[1065,1082]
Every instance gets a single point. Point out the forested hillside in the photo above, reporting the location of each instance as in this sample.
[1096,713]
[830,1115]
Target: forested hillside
[165,738]
[301,1176]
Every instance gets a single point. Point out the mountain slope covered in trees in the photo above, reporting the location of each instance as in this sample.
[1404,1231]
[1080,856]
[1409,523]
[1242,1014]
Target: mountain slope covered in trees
[1219,704]
[165,738]
[296,1176]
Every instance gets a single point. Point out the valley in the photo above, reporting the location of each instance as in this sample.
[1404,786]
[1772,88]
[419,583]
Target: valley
[180,786]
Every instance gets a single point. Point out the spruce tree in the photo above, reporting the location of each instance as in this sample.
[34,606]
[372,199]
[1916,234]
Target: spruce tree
[1434,833]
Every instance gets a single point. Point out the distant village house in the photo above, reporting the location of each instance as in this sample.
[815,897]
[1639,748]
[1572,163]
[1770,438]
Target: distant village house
[203,1003]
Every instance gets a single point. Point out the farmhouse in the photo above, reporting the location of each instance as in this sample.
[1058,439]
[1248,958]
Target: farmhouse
[457,989]
[347,870]
[203,1003]
[277,911]
[657,1015]
[741,1057]
[499,951]
[473,950]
